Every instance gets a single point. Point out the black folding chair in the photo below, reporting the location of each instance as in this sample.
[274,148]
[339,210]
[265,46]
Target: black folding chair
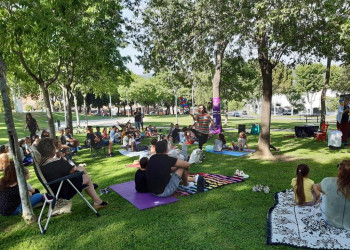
[51,197]
[95,148]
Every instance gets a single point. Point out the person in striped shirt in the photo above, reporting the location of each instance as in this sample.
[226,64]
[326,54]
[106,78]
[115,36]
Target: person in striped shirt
[203,121]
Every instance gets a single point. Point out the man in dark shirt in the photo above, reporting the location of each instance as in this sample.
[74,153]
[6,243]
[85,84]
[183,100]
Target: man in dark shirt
[137,116]
[164,173]
[175,133]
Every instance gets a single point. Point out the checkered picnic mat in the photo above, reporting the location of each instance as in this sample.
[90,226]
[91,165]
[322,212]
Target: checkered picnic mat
[212,181]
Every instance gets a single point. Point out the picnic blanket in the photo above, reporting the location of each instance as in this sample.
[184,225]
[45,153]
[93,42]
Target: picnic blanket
[147,200]
[136,143]
[288,224]
[131,154]
[209,148]
[140,200]
[212,181]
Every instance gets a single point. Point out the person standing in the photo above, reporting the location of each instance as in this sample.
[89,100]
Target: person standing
[32,125]
[137,116]
[142,116]
[203,121]
[343,119]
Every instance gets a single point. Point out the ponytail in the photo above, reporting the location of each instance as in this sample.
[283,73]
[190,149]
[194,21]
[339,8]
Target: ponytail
[302,171]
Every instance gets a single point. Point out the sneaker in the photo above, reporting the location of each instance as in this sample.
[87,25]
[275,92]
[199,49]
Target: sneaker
[266,189]
[243,175]
[191,185]
[255,188]
[109,155]
[200,184]
[237,172]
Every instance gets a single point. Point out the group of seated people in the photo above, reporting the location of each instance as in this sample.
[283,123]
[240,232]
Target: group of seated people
[55,161]
[332,192]
[161,173]
[184,135]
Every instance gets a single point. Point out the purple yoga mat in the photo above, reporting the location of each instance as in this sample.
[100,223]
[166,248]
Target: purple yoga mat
[140,200]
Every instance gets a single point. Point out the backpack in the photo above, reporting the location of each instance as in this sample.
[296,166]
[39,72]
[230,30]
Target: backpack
[196,156]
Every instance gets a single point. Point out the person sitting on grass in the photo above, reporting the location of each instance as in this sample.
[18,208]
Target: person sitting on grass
[164,173]
[45,134]
[10,200]
[132,144]
[54,168]
[126,140]
[4,157]
[152,150]
[335,204]
[36,141]
[242,142]
[140,177]
[105,135]
[71,142]
[31,190]
[219,143]
[305,190]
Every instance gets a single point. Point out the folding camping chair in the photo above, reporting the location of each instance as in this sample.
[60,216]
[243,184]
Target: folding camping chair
[50,197]
[95,148]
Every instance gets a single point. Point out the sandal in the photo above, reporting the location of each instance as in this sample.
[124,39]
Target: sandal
[103,204]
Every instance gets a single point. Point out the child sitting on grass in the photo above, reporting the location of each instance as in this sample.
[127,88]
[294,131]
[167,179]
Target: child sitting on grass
[31,190]
[220,143]
[242,142]
[140,177]
[153,147]
[305,190]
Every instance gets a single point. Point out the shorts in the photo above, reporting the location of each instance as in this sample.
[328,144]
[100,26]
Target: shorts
[171,187]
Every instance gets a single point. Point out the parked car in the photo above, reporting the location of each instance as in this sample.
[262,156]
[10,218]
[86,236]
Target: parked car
[152,113]
[244,112]
[287,112]
[186,112]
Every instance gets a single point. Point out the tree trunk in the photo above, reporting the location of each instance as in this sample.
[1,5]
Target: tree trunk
[85,110]
[27,210]
[76,107]
[324,91]
[266,72]
[226,113]
[124,110]
[52,103]
[219,55]
[48,111]
[69,110]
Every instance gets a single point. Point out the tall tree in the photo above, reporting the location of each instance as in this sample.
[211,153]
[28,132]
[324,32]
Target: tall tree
[325,38]
[182,35]
[276,28]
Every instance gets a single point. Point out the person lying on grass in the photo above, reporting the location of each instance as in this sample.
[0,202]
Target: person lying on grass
[54,168]
[164,173]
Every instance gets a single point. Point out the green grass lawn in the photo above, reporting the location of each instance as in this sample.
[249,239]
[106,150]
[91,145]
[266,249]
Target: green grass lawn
[230,217]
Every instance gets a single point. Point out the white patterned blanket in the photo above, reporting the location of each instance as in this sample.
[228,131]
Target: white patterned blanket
[288,224]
